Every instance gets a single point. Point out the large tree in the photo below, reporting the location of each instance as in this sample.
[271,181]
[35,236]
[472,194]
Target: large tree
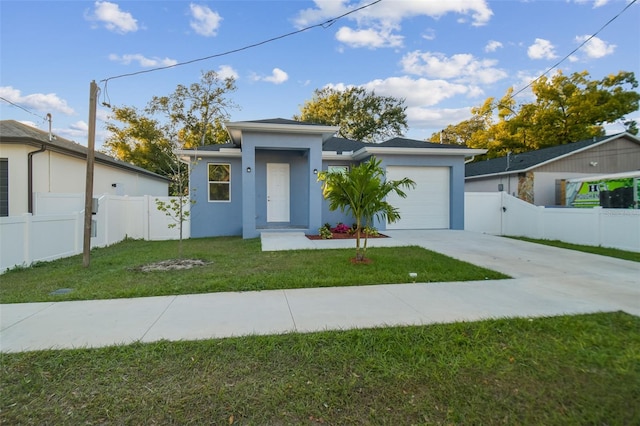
[362,115]
[362,191]
[198,110]
[191,116]
[566,109]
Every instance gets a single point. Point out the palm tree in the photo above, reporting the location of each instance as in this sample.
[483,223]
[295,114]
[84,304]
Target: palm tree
[362,191]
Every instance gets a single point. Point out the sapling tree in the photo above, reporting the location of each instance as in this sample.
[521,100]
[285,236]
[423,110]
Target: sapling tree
[362,192]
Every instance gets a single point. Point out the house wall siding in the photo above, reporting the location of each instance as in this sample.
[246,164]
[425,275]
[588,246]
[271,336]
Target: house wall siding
[336,216]
[617,156]
[215,218]
[491,184]
[16,156]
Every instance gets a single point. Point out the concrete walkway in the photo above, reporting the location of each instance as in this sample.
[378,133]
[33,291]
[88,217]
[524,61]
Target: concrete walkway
[546,281]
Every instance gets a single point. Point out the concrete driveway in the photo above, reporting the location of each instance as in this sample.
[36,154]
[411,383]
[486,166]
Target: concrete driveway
[546,281]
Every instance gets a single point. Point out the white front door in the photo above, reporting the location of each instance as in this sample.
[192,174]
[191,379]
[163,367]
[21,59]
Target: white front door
[277,192]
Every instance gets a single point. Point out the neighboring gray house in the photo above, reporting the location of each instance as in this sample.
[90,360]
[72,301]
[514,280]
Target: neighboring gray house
[266,179]
[536,176]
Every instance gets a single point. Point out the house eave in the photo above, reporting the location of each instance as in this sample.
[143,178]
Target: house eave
[333,155]
[378,150]
[235,129]
[194,153]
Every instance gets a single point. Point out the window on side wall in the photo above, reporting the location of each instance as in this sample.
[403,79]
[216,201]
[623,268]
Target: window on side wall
[338,169]
[219,182]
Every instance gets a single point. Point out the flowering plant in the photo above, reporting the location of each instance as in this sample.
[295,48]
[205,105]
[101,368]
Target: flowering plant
[341,228]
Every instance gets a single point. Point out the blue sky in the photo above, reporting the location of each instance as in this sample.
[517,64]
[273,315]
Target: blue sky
[443,57]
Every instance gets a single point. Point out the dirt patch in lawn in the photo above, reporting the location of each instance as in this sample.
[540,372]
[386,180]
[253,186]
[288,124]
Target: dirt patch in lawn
[171,265]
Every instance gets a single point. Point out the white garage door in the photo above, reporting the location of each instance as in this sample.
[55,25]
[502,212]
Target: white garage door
[427,205]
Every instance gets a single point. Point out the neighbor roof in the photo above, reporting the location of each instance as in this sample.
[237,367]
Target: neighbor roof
[12,131]
[526,161]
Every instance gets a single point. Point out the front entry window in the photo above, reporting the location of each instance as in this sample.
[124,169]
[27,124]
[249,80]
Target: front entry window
[219,182]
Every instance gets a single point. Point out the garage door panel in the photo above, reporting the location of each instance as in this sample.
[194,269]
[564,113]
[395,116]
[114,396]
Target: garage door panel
[427,205]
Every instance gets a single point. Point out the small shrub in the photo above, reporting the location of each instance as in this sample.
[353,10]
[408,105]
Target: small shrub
[325,233]
[370,231]
[327,225]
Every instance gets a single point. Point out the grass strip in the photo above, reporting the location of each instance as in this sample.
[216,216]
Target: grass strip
[233,264]
[602,251]
[554,371]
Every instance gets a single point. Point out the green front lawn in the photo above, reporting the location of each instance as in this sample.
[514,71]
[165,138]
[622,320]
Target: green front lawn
[234,265]
[572,370]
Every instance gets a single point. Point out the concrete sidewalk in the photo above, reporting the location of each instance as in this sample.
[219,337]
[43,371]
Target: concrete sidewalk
[546,281]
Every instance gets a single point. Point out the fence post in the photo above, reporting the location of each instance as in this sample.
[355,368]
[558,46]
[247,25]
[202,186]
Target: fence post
[146,226]
[26,255]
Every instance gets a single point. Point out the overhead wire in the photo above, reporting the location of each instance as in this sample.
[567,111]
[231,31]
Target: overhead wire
[23,108]
[324,24]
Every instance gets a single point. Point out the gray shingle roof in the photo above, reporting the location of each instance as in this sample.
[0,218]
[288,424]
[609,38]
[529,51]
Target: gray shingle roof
[342,145]
[413,143]
[528,160]
[283,121]
[12,131]
[216,147]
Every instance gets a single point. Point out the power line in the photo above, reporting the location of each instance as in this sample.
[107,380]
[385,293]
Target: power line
[22,108]
[573,51]
[325,24]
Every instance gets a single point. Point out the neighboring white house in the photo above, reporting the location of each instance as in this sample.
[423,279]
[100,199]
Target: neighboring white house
[33,161]
[536,176]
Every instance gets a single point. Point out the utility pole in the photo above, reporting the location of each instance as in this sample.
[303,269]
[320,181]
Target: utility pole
[88,194]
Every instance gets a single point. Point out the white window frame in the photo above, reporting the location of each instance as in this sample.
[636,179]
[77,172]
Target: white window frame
[209,182]
[338,168]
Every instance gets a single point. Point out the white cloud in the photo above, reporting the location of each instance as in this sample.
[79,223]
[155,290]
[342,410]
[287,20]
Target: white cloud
[370,38]
[142,60]
[541,49]
[436,118]
[595,48]
[596,3]
[113,18]
[277,77]
[49,102]
[429,34]
[393,12]
[226,71]
[376,24]
[463,67]
[416,92]
[205,21]
[492,46]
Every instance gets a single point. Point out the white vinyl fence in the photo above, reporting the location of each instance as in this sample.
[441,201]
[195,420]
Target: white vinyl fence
[499,213]
[53,234]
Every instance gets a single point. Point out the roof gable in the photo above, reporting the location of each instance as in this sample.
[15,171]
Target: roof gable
[528,160]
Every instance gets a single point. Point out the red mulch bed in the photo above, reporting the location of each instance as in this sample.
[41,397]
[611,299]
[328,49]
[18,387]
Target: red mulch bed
[343,236]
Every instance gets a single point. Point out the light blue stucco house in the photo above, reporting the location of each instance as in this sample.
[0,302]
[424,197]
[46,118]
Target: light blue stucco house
[266,179]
